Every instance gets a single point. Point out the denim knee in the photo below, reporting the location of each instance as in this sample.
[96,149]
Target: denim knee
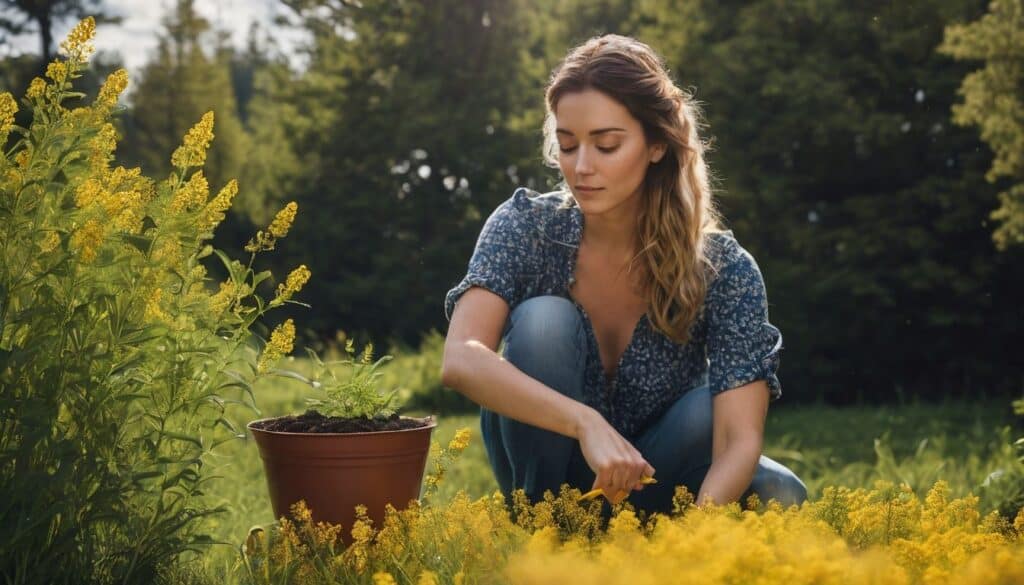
[544,334]
[773,481]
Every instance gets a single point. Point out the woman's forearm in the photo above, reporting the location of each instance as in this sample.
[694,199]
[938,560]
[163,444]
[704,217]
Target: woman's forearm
[489,380]
[731,472]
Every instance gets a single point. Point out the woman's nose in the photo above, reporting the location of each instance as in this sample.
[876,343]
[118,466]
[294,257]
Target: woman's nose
[583,166]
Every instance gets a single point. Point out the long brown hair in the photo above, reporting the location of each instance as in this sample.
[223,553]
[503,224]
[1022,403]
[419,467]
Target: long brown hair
[677,209]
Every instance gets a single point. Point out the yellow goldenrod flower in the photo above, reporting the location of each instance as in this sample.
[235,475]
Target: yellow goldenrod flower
[192,152]
[57,71]
[88,192]
[224,297]
[383,578]
[283,220]
[102,145]
[78,44]
[301,512]
[8,107]
[112,88]
[129,218]
[460,441]
[87,239]
[214,212]
[36,88]
[293,284]
[192,194]
[167,252]
[280,345]
[153,311]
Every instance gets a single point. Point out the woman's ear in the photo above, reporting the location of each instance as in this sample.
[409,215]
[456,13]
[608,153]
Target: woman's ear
[658,151]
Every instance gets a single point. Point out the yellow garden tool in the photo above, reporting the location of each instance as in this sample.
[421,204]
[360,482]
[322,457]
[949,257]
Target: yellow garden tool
[594,493]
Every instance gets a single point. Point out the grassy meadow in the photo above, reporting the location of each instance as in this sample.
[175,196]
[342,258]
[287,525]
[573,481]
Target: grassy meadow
[968,445]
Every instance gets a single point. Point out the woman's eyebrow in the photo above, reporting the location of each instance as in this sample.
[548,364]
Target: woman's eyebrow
[592,132]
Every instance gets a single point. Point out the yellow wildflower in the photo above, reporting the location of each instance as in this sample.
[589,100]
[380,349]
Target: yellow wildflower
[301,512]
[78,44]
[57,71]
[383,578]
[8,107]
[88,192]
[154,311]
[191,194]
[168,252]
[280,344]
[214,212]
[192,152]
[103,145]
[427,578]
[87,240]
[293,284]
[36,88]
[283,220]
[112,88]
[224,297]
[1018,522]
[460,441]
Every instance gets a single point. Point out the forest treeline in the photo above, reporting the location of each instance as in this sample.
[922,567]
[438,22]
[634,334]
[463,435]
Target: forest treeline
[870,155]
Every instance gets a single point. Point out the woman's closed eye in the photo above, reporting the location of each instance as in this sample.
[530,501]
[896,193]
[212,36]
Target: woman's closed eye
[605,149]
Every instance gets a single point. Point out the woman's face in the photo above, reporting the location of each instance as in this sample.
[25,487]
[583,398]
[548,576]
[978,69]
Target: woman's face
[602,146]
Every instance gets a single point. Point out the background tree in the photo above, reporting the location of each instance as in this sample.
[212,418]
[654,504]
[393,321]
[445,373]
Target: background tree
[26,16]
[189,75]
[408,134]
[992,101]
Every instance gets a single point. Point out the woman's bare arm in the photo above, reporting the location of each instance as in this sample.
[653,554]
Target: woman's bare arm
[737,439]
[473,367]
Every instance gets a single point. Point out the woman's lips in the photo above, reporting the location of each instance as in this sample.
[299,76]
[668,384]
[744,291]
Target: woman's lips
[587,189]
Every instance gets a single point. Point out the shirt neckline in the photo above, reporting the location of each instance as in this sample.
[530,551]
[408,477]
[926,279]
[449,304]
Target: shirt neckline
[576,236]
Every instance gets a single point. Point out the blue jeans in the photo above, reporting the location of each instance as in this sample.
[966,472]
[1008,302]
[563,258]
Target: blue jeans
[544,338]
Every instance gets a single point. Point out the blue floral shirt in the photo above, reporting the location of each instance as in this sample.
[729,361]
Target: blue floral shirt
[528,247]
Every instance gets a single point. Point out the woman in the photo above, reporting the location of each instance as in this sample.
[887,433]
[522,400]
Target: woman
[635,329]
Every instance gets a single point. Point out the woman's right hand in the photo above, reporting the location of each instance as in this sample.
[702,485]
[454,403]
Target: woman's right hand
[618,465]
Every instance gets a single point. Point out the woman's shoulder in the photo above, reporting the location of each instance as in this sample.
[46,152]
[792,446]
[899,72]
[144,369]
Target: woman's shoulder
[527,201]
[725,253]
[528,212]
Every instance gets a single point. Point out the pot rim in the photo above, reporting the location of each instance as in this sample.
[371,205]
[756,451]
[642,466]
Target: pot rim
[431,423]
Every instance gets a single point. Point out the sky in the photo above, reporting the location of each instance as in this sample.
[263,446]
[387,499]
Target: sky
[135,38]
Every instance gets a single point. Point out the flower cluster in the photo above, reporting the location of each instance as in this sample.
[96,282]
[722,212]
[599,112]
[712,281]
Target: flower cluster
[278,228]
[192,153]
[883,535]
[281,341]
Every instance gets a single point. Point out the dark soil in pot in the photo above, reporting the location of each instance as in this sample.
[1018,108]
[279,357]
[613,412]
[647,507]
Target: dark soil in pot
[313,422]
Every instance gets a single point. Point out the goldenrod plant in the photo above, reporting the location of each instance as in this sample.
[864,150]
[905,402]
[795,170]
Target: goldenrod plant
[883,535]
[117,364]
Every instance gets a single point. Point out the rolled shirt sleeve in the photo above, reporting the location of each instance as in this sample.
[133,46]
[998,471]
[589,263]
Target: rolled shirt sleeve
[501,255]
[743,346]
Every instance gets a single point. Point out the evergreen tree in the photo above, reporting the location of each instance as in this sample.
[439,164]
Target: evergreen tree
[407,126]
[183,81]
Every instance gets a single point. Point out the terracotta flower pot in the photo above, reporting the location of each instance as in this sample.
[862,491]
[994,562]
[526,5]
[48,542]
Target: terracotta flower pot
[333,472]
